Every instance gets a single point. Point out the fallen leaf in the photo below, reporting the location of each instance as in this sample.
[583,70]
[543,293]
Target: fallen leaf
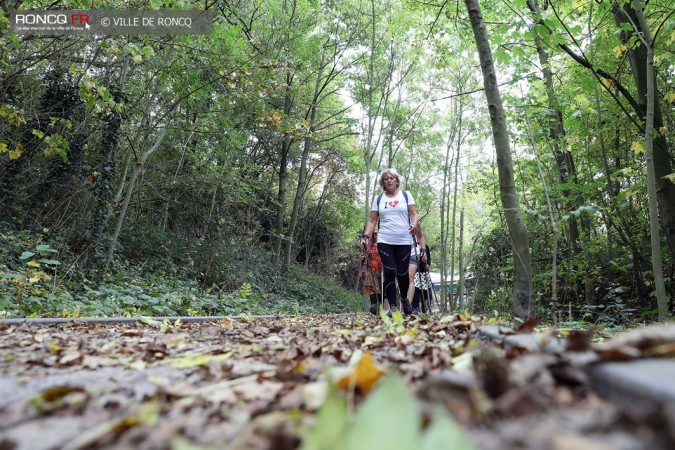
[199,360]
[579,340]
[365,375]
[227,323]
[528,326]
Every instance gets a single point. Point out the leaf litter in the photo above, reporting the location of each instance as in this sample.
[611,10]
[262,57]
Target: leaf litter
[313,382]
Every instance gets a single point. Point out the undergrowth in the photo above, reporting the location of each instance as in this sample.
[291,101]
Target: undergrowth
[39,276]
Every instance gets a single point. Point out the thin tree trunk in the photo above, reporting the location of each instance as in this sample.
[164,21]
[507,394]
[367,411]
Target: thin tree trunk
[657,266]
[460,285]
[444,223]
[454,208]
[523,302]
[283,177]
[309,142]
[130,189]
[637,56]
[554,227]
[563,158]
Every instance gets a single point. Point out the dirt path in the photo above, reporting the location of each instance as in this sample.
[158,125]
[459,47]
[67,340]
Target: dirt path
[258,384]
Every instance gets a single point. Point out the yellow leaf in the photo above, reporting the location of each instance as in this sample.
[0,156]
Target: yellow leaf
[607,83]
[670,97]
[664,131]
[490,321]
[199,360]
[582,100]
[137,58]
[33,264]
[54,347]
[227,323]
[299,367]
[619,50]
[637,147]
[13,154]
[576,4]
[365,375]
[3,147]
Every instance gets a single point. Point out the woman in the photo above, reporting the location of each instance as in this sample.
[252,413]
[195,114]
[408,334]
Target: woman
[398,221]
[372,275]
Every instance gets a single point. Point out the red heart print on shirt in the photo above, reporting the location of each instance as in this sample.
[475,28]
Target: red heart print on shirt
[393,204]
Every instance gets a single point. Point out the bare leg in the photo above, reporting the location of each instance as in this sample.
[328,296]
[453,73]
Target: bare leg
[412,270]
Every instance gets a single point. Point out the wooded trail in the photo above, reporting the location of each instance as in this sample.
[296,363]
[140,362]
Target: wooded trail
[326,382]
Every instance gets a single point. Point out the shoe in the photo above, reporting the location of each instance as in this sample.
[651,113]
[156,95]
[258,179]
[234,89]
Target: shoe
[407,308]
[391,310]
[416,312]
[373,309]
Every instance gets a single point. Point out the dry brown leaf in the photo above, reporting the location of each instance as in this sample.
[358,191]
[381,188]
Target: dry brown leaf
[579,340]
[227,323]
[639,339]
[528,326]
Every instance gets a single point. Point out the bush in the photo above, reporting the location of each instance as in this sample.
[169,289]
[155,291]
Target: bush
[38,280]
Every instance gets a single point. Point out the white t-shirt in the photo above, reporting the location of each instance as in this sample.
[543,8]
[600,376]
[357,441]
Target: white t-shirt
[394,223]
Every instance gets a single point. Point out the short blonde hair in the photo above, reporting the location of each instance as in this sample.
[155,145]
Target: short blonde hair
[393,173]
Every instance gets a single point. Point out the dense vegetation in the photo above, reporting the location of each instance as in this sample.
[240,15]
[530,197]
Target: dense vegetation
[232,172]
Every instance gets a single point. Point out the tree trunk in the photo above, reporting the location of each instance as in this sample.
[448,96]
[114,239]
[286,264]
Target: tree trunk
[444,223]
[283,177]
[554,226]
[309,142]
[563,158]
[130,190]
[460,284]
[637,56]
[657,266]
[454,210]
[523,302]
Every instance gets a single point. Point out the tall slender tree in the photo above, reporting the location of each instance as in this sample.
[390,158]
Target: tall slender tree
[523,300]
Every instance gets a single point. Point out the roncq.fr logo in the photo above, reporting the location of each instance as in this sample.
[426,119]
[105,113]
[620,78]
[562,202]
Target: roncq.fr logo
[55,18]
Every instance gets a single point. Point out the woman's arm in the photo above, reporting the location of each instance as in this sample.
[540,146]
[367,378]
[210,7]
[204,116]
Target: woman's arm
[414,225]
[370,226]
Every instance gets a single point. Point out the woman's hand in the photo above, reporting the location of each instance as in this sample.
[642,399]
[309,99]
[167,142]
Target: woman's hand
[412,229]
[365,241]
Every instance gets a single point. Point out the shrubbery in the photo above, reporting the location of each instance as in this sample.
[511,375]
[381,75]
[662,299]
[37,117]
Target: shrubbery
[38,277]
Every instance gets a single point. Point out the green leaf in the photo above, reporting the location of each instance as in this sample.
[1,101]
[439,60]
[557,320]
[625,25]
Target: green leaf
[51,262]
[444,432]
[389,418]
[26,255]
[328,431]
[149,321]
[45,248]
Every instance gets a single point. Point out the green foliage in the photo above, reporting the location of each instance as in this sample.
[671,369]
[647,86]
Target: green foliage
[33,284]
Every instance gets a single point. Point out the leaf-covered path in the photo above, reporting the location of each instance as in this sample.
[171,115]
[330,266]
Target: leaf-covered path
[259,384]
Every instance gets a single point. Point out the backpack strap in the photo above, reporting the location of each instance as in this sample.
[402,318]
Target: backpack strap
[405,196]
